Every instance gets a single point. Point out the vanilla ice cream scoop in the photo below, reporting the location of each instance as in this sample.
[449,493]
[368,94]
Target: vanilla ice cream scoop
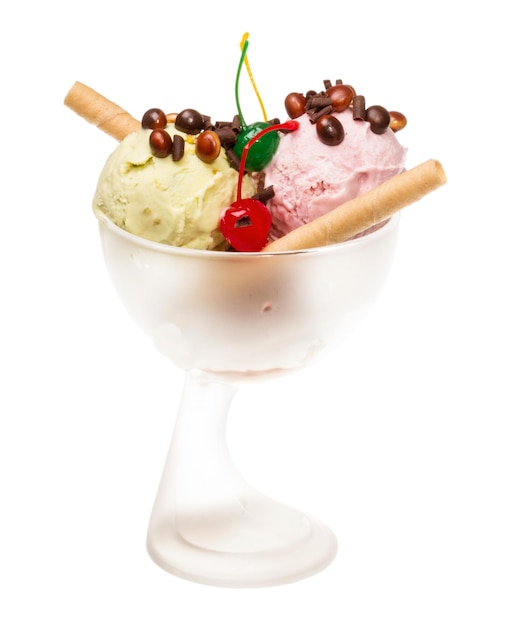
[172,202]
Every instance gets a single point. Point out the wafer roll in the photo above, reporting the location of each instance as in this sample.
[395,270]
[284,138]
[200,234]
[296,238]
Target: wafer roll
[373,207]
[101,112]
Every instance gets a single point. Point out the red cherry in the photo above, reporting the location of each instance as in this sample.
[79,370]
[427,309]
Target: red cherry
[246,225]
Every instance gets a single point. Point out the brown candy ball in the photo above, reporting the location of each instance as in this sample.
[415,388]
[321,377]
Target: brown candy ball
[154,118]
[207,146]
[295,104]
[160,143]
[341,96]
[379,119]
[397,121]
[330,130]
[189,121]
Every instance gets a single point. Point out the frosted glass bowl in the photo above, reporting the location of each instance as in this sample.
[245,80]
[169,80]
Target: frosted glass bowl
[225,318]
[247,313]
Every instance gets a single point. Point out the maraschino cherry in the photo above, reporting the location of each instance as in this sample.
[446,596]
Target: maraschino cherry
[246,223]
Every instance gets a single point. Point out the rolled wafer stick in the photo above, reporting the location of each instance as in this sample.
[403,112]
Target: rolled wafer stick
[373,207]
[98,110]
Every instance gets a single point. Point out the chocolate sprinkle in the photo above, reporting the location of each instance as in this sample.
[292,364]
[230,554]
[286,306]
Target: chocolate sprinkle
[178,148]
[314,117]
[222,124]
[233,159]
[265,194]
[236,125]
[359,108]
[317,102]
[261,178]
[208,125]
[227,136]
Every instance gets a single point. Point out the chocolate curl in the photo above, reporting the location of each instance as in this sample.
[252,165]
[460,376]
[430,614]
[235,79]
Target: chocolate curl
[314,116]
[226,135]
[261,181]
[101,112]
[359,214]
[233,159]
[178,148]
[265,194]
[318,102]
[359,108]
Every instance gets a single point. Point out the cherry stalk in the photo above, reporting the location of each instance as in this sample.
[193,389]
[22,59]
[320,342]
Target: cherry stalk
[246,223]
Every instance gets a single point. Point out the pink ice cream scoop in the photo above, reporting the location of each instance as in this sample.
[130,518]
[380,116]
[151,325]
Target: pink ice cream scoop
[310,178]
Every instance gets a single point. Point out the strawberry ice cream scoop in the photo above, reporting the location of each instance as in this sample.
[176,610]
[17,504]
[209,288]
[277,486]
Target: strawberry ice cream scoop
[310,178]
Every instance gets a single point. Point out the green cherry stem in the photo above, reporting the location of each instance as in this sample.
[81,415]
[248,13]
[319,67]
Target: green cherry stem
[290,125]
[236,88]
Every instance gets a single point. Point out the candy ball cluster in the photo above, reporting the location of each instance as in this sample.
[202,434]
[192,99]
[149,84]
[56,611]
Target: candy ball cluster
[209,138]
[336,98]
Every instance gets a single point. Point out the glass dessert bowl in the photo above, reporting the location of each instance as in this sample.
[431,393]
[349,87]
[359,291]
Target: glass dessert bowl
[226,318]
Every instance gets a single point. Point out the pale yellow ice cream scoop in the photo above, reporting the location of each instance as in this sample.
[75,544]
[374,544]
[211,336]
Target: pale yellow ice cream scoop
[172,202]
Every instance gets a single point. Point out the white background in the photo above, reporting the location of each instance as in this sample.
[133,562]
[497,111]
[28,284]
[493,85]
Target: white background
[400,441]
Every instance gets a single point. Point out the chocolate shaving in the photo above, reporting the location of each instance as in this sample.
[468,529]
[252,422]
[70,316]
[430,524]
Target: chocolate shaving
[265,194]
[227,136]
[178,148]
[235,124]
[222,124]
[261,178]
[359,108]
[314,117]
[233,159]
[327,83]
[316,102]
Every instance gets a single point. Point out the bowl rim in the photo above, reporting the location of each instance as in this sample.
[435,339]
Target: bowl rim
[387,227]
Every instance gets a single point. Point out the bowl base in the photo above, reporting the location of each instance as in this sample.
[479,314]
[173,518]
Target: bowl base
[261,543]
